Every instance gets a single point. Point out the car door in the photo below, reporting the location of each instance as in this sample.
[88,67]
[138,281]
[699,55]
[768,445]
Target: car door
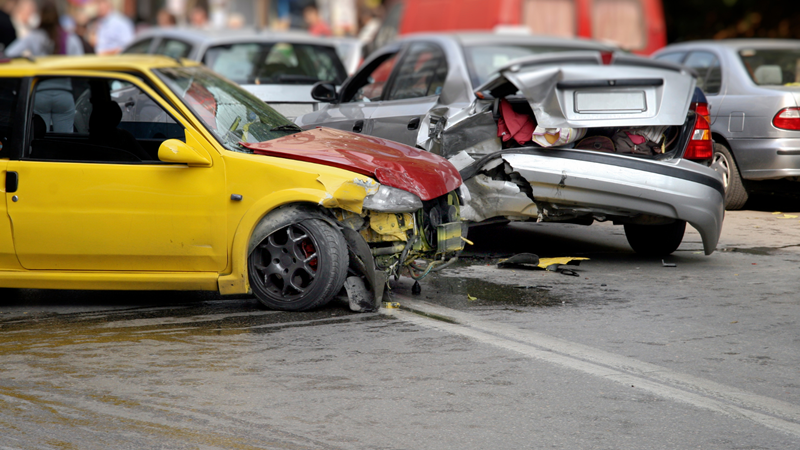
[10,92]
[359,97]
[85,201]
[415,87]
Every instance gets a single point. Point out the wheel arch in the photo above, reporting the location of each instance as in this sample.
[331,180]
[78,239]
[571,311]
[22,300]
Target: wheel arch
[236,282]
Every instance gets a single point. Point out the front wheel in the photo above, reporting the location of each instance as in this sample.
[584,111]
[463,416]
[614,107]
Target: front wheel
[655,240]
[298,266]
[723,162]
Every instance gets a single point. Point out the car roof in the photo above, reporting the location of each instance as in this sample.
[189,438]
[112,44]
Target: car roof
[737,44]
[215,37]
[117,63]
[471,38]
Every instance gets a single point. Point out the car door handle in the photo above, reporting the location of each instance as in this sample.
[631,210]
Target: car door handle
[358,126]
[12,181]
[413,124]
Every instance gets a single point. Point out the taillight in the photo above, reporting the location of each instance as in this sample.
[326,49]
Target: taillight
[701,147]
[787,119]
[702,109]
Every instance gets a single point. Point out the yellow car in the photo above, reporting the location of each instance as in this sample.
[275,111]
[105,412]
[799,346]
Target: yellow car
[143,172]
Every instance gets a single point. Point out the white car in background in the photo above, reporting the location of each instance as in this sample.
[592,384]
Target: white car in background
[279,68]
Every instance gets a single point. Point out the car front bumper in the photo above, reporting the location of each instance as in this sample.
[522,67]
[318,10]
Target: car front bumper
[565,185]
[764,159]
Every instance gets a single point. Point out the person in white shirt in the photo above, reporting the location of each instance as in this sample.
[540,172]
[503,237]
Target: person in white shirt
[114,30]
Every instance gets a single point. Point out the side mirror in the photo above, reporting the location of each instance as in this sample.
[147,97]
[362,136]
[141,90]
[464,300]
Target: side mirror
[175,151]
[323,91]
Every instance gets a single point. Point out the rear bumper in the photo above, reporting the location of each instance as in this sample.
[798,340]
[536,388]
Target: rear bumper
[612,186]
[764,159]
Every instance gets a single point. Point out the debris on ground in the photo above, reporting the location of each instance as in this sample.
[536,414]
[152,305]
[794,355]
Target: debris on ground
[666,264]
[520,261]
[529,261]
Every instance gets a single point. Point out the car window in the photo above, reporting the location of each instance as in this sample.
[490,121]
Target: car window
[173,48]
[772,67]
[368,84]
[421,73]
[709,74]
[9,93]
[97,120]
[276,63]
[142,46]
[672,57]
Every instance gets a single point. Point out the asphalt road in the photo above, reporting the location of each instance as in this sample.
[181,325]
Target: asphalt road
[629,354]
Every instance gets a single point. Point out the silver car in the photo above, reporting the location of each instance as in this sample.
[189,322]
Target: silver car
[279,68]
[449,94]
[753,91]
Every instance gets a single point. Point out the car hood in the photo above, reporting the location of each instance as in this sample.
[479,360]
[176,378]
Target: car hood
[581,90]
[424,174]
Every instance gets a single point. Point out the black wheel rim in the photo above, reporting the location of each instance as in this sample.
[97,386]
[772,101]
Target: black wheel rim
[286,262]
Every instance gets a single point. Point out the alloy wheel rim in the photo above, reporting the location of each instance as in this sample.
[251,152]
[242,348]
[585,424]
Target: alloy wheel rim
[287,262]
[721,165]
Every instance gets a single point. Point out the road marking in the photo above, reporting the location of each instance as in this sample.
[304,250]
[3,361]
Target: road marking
[660,381]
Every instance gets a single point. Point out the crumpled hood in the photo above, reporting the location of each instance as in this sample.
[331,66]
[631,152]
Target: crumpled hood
[393,164]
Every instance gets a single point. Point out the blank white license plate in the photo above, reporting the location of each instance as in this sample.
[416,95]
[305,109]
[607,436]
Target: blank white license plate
[616,102]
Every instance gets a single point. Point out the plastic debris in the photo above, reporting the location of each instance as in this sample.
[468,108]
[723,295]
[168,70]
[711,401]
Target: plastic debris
[666,264]
[520,261]
[391,305]
[471,298]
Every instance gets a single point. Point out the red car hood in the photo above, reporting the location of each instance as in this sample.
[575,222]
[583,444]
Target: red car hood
[393,164]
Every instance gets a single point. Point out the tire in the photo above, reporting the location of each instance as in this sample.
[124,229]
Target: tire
[297,266]
[723,162]
[655,240]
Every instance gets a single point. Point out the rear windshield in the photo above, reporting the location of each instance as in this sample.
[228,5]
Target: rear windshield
[276,63]
[772,67]
[484,60]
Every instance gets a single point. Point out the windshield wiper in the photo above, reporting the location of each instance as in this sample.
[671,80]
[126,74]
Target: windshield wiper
[286,127]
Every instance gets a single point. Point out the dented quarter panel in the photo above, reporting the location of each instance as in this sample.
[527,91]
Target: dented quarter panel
[619,185]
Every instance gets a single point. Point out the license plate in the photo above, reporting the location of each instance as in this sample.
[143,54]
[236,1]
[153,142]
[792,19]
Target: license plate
[610,102]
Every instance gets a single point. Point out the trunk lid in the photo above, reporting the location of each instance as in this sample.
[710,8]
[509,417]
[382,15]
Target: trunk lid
[577,90]
[396,165]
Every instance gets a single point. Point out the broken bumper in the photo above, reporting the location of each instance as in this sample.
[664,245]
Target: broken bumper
[562,185]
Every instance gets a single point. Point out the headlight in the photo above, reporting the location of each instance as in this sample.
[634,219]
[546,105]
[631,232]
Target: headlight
[392,200]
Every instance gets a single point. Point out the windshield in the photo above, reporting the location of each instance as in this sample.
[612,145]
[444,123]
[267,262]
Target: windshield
[276,63]
[484,60]
[231,113]
[772,67]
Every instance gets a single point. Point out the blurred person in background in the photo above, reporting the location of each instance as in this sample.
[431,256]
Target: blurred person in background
[198,16]
[369,24]
[7,32]
[314,23]
[53,100]
[114,30]
[25,17]
[82,24]
[165,19]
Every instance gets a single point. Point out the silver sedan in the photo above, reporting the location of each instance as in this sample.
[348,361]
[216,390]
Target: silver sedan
[753,91]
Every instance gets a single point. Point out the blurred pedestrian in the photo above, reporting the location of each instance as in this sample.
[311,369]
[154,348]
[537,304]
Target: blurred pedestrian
[314,22]
[369,25]
[7,32]
[53,100]
[165,19]
[48,39]
[25,17]
[114,30]
[198,16]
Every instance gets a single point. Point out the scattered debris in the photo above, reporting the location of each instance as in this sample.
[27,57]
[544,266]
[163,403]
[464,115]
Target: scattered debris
[666,264]
[471,298]
[532,262]
[391,305]
[520,261]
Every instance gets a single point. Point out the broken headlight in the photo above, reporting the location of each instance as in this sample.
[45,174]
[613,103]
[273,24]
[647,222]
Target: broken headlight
[392,200]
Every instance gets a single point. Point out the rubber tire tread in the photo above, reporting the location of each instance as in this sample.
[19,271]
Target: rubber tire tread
[332,242]
[655,240]
[735,195]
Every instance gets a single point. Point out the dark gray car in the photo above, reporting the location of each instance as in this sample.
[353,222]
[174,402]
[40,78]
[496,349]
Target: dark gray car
[753,91]
[451,93]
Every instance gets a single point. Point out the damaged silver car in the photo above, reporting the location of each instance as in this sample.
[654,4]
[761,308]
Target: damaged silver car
[545,129]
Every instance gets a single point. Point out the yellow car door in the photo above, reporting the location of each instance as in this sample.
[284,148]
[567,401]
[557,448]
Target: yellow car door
[91,193]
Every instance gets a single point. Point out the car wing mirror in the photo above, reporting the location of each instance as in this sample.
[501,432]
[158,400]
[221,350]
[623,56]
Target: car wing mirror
[323,91]
[175,151]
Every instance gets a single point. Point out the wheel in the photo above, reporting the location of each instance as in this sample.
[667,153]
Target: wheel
[298,266]
[655,240]
[723,162]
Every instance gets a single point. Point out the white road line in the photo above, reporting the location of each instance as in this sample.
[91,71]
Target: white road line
[702,393]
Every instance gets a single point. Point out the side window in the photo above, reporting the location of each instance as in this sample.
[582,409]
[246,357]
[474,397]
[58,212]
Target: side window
[707,66]
[173,48]
[140,47]
[9,93]
[672,57]
[421,73]
[368,87]
[97,120]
